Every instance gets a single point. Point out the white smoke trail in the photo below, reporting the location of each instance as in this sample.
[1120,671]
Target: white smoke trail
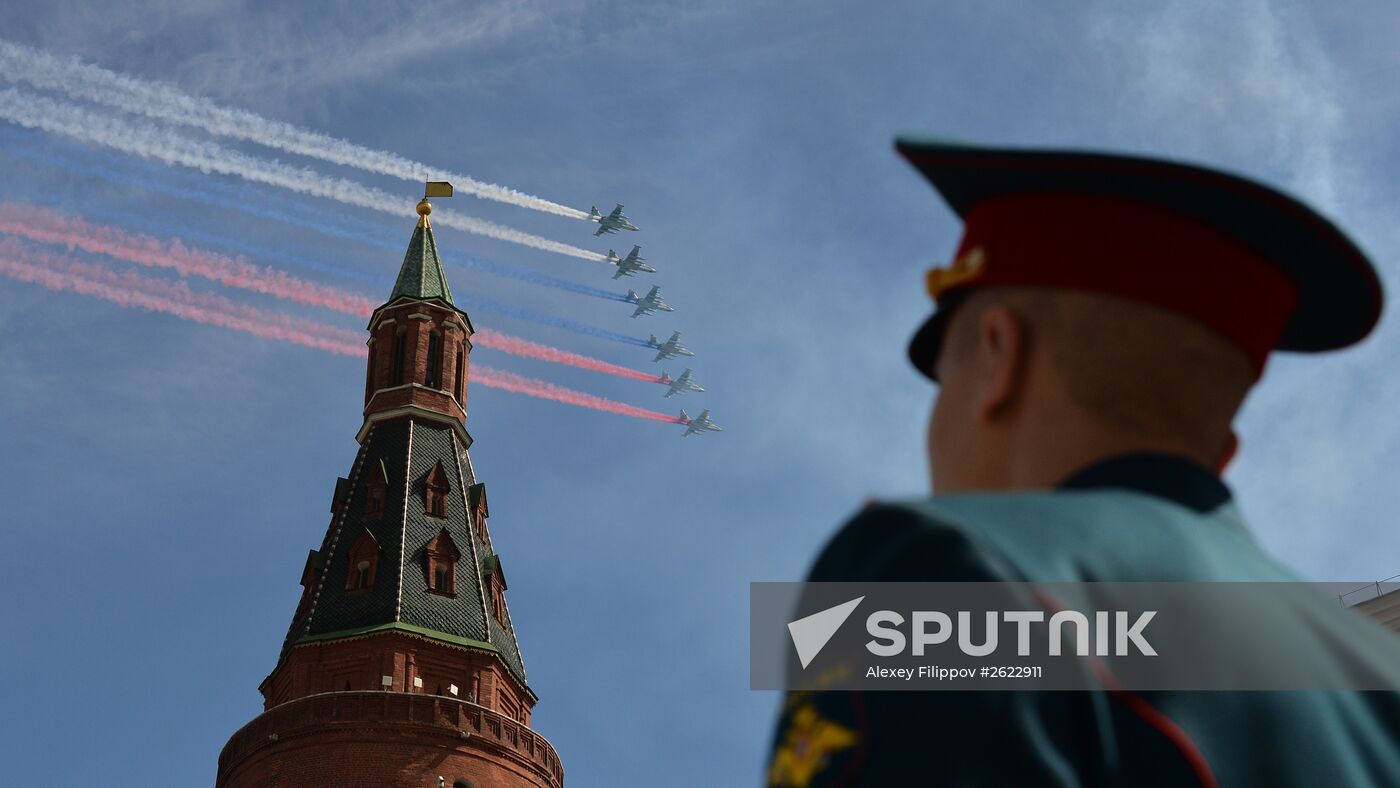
[129,94]
[152,142]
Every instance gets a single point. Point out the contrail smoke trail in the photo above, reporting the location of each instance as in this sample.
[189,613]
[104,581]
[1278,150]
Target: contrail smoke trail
[323,224]
[50,228]
[246,199]
[47,227]
[130,289]
[465,300]
[162,102]
[489,305]
[524,347]
[538,388]
[153,295]
[34,111]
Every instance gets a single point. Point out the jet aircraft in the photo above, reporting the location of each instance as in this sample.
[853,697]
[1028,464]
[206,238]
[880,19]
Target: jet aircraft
[681,384]
[670,348]
[631,264]
[612,222]
[648,303]
[700,424]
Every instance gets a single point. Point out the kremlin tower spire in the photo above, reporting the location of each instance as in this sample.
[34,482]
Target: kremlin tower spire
[401,663]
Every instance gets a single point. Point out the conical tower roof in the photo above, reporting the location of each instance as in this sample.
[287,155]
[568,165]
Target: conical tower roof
[421,275]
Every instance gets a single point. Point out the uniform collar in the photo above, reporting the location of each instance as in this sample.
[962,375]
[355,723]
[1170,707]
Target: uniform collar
[1166,476]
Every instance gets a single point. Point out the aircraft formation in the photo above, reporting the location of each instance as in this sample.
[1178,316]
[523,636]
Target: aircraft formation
[649,304]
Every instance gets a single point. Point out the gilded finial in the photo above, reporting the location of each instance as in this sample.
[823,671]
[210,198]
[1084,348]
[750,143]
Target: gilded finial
[431,189]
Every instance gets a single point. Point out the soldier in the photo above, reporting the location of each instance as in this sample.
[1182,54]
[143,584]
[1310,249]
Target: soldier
[1102,321]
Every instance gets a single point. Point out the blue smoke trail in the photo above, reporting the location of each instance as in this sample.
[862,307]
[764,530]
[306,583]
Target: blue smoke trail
[247,199]
[193,235]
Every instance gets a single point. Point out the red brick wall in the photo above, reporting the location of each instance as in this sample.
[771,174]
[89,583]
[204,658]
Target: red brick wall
[363,662]
[385,740]
[416,331]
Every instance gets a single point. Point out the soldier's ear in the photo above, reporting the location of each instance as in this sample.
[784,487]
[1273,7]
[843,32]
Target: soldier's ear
[1000,360]
[1227,455]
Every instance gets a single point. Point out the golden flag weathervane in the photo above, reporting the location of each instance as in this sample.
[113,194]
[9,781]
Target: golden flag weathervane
[432,189]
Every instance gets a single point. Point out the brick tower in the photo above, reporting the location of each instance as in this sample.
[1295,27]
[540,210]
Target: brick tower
[401,664]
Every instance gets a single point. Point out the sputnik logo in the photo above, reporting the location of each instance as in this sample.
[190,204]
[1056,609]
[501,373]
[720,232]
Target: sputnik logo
[811,633]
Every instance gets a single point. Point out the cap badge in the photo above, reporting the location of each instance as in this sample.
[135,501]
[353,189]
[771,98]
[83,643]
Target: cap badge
[967,267]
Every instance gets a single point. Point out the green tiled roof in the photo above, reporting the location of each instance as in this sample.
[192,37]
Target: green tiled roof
[399,627]
[399,597]
[342,491]
[421,275]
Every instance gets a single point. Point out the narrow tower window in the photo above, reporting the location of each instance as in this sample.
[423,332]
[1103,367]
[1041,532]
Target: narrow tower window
[461,380]
[399,347]
[376,489]
[476,498]
[442,555]
[435,492]
[369,372]
[496,579]
[362,562]
[434,378]
[498,598]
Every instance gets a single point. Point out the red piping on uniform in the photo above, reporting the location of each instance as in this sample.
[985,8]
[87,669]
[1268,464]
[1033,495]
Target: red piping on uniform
[1161,722]
[1145,711]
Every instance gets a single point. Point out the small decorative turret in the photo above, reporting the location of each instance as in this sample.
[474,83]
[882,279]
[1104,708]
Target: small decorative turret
[420,340]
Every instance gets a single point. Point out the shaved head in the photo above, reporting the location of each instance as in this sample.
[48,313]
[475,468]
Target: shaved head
[1023,366]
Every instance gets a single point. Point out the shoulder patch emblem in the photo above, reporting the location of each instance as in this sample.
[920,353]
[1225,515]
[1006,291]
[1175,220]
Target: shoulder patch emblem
[808,742]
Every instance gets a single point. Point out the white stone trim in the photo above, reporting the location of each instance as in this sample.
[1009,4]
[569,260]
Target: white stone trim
[416,412]
[403,529]
[457,452]
[443,392]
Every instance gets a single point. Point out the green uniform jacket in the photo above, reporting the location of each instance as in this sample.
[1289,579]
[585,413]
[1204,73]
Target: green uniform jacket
[1132,518]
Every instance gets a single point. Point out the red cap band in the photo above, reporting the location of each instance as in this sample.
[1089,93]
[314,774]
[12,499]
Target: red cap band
[1134,250]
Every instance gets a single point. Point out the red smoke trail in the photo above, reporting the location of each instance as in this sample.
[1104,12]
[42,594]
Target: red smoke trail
[131,289]
[524,347]
[174,298]
[48,227]
[510,381]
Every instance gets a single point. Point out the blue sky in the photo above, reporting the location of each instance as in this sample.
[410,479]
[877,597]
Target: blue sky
[162,480]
